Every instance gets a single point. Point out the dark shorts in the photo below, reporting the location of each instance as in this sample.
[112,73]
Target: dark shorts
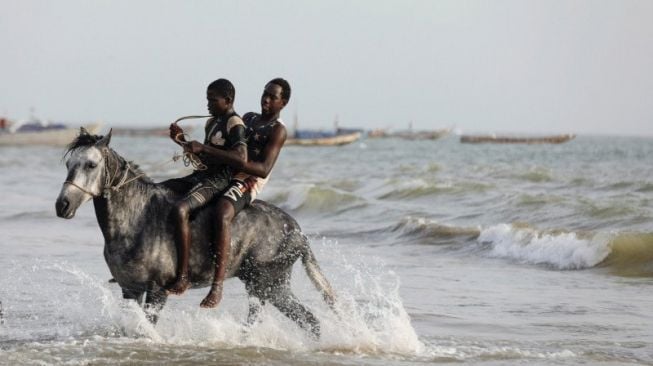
[238,194]
[200,189]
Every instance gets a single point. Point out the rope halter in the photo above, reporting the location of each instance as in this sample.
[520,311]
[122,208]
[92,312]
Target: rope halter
[108,180]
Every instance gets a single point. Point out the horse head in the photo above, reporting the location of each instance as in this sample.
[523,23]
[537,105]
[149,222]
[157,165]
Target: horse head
[88,175]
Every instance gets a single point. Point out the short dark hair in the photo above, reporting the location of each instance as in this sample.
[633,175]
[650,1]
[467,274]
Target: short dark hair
[285,87]
[224,88]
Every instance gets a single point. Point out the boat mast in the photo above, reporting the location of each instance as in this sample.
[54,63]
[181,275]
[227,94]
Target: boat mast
[295,124]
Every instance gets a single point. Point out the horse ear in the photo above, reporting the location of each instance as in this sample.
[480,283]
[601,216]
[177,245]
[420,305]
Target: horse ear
[104,142]
[82,131]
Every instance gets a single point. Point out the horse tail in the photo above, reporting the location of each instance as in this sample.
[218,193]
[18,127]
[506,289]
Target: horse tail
[315,274]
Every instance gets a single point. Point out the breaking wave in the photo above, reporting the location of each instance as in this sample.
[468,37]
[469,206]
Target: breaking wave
[631,255]
[628,254]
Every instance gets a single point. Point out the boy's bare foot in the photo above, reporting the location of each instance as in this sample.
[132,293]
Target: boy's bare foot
[180,286]
[213,298]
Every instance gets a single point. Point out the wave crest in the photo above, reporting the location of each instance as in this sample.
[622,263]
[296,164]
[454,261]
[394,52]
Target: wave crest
[631,255]
[559,250]
[625,254]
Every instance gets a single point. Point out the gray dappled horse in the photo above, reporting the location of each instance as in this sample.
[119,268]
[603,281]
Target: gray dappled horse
[134,215]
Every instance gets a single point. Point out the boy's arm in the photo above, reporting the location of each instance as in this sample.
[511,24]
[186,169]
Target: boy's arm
[270,152]
[235,156]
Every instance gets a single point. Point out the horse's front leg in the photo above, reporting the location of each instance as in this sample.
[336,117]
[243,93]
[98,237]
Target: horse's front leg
[131,294]
[155,300]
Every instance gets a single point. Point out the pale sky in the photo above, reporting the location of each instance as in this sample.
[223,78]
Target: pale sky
[482,66]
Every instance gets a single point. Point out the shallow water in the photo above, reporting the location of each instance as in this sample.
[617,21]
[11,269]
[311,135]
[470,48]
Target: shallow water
[440,252]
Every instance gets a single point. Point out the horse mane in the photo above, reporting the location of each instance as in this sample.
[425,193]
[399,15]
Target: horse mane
[84,139]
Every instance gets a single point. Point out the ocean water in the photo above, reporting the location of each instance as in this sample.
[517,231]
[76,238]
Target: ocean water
[440,253]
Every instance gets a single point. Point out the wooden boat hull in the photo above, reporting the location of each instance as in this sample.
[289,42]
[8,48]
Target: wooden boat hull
[60,137]
[336,140]
[409,135]
[146,132]
[557,139]
[420,135]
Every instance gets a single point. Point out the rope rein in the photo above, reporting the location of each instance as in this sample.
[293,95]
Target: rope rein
[188,158]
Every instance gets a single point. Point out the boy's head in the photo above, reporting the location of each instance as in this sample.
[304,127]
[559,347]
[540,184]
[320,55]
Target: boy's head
[220,96]
[275,97]
[223,88]
[285,87]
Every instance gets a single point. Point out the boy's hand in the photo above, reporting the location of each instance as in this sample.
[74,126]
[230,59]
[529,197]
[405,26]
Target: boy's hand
[176,133]
[194,147]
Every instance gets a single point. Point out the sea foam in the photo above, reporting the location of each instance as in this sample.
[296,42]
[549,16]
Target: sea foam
[557,250]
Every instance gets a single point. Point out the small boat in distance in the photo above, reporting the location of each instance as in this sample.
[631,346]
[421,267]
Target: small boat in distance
[337,137]
[420,135]
[147,131]
[480,139]
[36,132]
[323,138]
[409,134]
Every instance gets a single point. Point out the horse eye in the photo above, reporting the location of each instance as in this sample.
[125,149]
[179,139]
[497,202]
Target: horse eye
[91,165]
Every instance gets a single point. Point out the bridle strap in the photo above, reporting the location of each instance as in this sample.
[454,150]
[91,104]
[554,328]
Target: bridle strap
[80,188]
[124,180]
[108,181]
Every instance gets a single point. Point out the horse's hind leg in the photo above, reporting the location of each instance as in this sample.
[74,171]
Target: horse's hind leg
[155,300]
[284,300]
[254,310]
[279,294]
[256,302]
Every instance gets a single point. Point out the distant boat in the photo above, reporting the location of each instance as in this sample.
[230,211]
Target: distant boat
[145,132]
[321,138]
[339,136]
[409,134]
[553,139]
[377,133]
[420,135]
[39,133]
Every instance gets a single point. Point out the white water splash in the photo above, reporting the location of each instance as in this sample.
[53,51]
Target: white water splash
[371,317]
[76,305]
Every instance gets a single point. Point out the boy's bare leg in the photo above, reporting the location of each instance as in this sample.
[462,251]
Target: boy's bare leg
[182,282]
[222,248]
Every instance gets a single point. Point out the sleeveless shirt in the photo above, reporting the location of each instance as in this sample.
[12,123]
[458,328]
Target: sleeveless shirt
[257,139]
[216,135]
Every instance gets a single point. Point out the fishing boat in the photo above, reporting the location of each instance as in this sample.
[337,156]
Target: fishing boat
[36,132]
[337,137]
[419,135]
[146,131]
[323,138]
[409,134]
[479,139]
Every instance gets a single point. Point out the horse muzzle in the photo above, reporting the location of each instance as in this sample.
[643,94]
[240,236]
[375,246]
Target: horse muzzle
[64,208]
